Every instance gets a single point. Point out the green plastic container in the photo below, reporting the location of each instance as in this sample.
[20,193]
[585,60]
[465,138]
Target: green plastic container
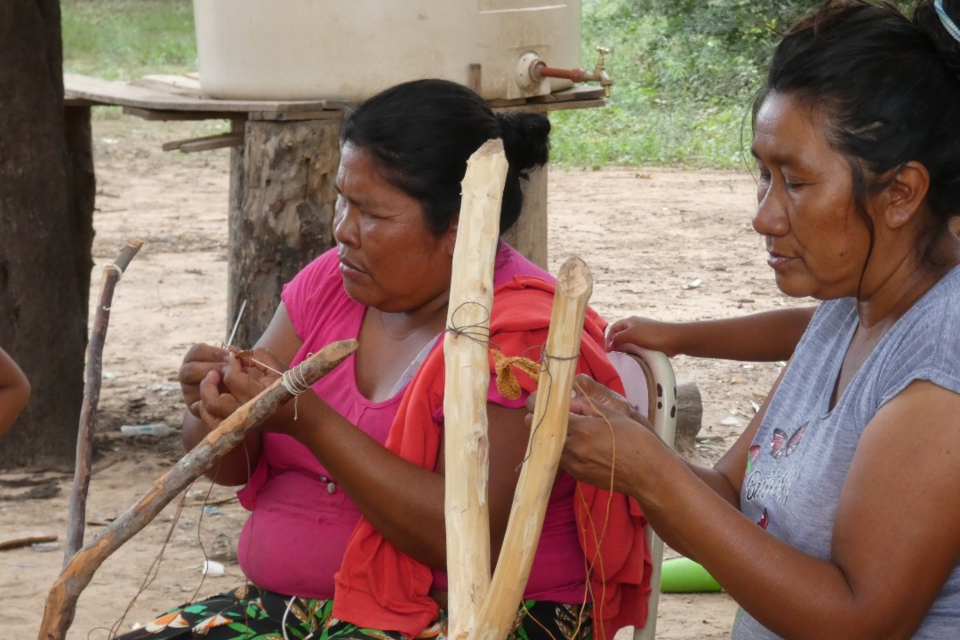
[683,575]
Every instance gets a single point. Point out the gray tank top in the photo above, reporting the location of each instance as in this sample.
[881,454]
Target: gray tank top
[803,449]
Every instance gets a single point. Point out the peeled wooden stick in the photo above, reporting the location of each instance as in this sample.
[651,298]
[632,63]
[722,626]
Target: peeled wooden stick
[466,449]
[62,599]
[574,286]
[91,399]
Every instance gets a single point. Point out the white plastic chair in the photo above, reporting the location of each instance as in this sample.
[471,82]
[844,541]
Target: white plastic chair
[659,394]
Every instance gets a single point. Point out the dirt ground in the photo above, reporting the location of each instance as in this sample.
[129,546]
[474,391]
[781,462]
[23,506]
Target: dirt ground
[673,245]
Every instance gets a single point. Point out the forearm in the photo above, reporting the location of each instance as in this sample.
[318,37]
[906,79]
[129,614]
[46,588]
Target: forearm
[402,501]
[769,336]
[793,594]
[718,484]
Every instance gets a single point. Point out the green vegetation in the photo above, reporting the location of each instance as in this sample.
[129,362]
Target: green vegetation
[127,39]
[685,71]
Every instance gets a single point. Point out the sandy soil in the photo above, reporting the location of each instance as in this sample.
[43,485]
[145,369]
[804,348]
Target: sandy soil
[673,245]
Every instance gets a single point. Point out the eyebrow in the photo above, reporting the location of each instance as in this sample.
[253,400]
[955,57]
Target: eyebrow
[777,157]
[360,201]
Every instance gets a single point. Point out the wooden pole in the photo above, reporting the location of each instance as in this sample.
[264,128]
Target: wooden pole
[91,399]
[466,449]
[574,286]
[529,234]
[62,599]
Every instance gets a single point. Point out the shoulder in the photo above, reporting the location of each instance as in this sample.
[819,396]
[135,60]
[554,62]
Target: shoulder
[511,263]
[923,344]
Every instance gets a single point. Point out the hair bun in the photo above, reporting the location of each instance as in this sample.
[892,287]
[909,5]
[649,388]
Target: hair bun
[940,20]
[525,139]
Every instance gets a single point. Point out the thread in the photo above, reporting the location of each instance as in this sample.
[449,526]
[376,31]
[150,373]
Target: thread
[115,268]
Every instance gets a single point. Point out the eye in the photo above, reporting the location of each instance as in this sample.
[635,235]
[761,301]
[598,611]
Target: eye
[793,183]
[763,180]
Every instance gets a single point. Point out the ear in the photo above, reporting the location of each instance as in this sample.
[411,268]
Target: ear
[904,196]
[450,235]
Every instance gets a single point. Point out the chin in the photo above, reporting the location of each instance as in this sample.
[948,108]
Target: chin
[356,293]
[791,287]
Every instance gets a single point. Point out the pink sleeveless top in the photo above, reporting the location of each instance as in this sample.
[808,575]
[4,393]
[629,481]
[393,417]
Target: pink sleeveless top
[294,540]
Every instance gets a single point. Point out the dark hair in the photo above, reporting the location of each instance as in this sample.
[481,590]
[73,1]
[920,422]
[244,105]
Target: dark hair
[422,133]
[890,89]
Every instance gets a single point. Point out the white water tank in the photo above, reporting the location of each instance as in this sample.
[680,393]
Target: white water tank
[351,49]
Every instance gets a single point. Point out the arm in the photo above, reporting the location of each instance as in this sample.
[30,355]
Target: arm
[14,392]
[768,336]
[896,536]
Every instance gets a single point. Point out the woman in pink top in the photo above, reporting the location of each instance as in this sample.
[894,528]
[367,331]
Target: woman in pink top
[312,479]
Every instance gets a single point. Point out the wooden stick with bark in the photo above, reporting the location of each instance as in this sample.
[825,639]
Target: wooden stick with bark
[466,357]
[62,600]
[91,399]
[549,431]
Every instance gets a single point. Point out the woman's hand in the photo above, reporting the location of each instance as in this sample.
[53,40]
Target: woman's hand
[605,433]
[248,373]
[646,333]
[588,393]
[200,360]
[245,375]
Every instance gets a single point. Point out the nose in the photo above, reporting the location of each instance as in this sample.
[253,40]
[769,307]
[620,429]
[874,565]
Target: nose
[770,218]
[344,224]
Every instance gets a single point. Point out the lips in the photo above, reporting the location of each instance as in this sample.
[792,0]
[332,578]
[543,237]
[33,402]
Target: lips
[777,259]
[346,265]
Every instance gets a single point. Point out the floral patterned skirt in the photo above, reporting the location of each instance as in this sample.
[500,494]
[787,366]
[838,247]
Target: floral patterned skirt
[251,613]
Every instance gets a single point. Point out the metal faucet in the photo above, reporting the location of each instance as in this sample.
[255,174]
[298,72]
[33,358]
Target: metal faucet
[600,73]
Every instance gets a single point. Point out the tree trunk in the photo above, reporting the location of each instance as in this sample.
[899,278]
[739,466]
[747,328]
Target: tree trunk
[45,233]
[281,214]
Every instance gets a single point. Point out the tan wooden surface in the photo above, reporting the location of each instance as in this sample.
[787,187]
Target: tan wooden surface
[171,94]
[466,446]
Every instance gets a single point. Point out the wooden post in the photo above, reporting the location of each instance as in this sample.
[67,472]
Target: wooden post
[466,358]
[281,213]
[529,234]
[574,286]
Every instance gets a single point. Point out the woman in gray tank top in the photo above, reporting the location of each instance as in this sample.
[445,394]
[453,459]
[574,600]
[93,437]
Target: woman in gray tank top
[837,513]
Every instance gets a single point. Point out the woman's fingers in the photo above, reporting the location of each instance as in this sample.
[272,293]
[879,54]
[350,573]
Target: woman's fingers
[629,333]
[245,377]
[588,451]
[214,405]
[591,396]
[264,361]
[619,331]
[199,361]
